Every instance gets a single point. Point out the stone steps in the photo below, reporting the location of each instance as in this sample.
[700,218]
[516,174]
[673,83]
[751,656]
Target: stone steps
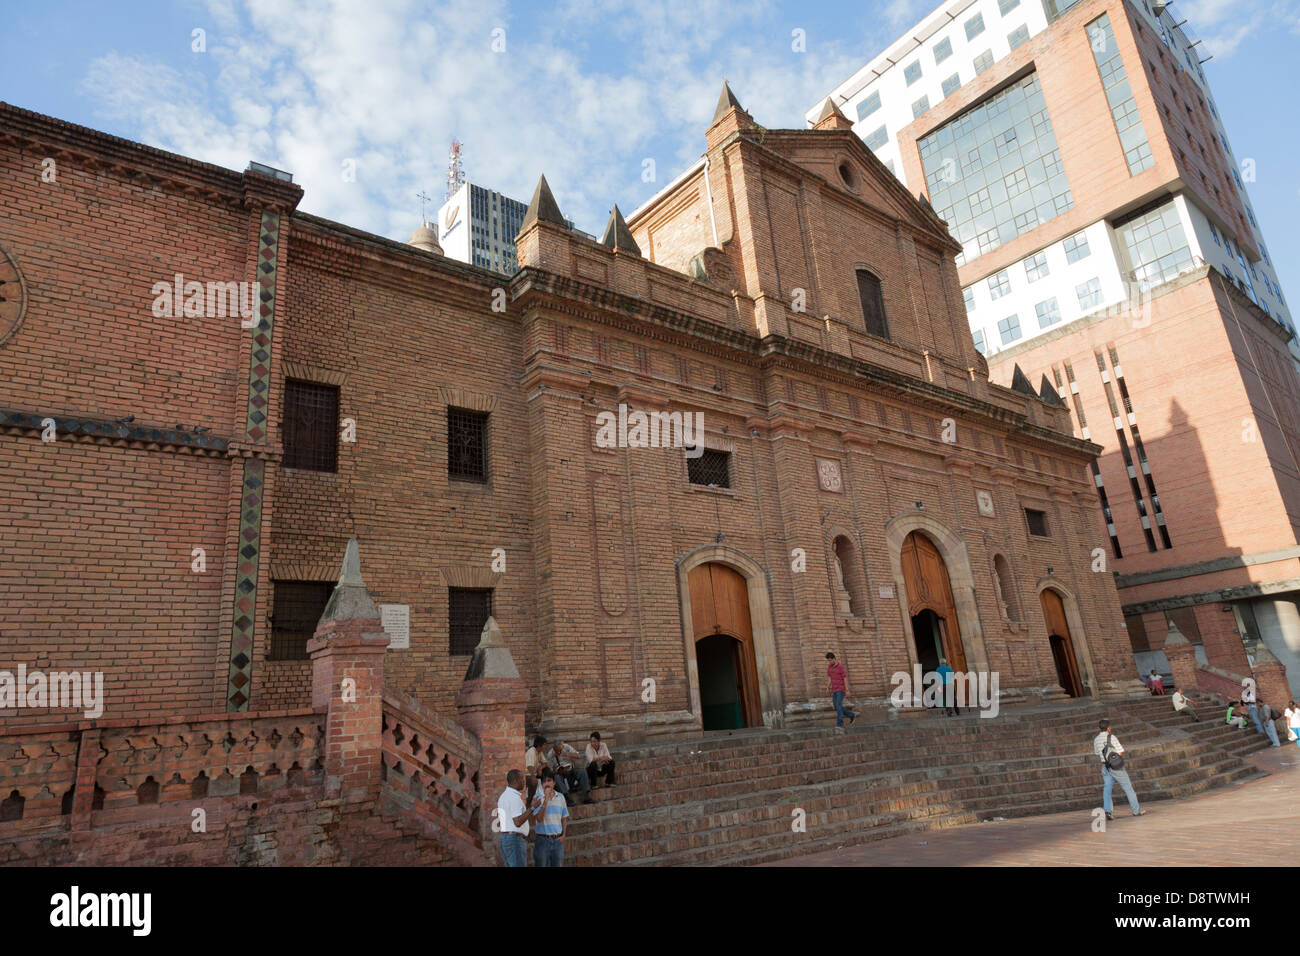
[731,799]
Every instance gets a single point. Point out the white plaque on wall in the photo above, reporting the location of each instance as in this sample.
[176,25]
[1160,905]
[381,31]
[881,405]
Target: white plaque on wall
[985,501]
[828,475]
[886,590]
[396,619]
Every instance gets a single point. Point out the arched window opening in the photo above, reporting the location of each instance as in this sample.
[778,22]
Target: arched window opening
[873,304]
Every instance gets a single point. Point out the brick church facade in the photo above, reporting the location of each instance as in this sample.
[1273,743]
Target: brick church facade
[180,485]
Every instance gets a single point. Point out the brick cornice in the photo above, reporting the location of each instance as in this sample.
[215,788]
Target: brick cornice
[110,432]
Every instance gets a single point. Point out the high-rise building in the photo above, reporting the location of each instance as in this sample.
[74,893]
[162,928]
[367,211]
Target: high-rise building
[1076,152]
[479,225]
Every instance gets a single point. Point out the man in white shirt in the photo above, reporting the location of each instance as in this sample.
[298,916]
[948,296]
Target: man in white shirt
[1248,698]
[512,819]
[560,757]
[599,762]
[1183,706]
[1104,744]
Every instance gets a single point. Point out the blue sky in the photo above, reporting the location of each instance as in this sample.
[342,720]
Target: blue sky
[584,90]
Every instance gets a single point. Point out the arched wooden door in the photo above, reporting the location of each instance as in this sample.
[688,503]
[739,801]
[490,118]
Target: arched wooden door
[1058,634]
[928,587]
[720,606]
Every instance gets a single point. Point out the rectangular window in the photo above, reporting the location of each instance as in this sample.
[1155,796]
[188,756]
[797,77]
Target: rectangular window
[1006,6]
[951,85]
[974,26]
[467,612]
[297,607]
[983,62]
[869,105]
[1036,267]
[1076,247]
[942,50]
[871,298]
[912,72]
[1049,313]
[978,337]
[467,444]
[877,139]
[311,426]
[1037,521]
[1155,244]
[999,284]
[1089,294]
[1018,36]
[920,106]
[1009,329]
[713,468]
[969,296]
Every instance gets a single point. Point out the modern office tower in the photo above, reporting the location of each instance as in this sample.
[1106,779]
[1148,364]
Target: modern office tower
[1109,246]
[478,225]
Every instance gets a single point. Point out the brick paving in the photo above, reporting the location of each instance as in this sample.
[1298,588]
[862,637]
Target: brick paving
[1246,824]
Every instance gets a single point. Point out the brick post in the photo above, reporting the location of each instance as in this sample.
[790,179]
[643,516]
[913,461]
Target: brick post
[1182,659]
[491,702]
[347,656]
[83,795]
[1270,679]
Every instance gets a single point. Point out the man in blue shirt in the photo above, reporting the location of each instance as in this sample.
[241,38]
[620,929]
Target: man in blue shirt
[551,812]
[949,691]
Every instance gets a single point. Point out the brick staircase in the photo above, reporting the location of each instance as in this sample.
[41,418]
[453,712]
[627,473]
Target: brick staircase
[731,798]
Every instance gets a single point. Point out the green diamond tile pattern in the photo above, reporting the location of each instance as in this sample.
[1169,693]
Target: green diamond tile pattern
[239,685]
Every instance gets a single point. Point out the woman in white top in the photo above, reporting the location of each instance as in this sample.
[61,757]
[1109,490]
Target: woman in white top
[1292,713]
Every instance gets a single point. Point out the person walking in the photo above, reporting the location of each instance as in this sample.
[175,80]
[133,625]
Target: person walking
[1292,713]
[946,673]
[838,678]
[512,819]
[551,811]
[1109,751]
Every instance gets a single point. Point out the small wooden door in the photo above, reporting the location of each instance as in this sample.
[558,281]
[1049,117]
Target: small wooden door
[925,576]
[1058,631]
[720,605]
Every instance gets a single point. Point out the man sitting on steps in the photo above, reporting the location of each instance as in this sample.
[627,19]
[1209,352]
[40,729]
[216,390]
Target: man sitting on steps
[1182,706]
[560,758]
[599,762]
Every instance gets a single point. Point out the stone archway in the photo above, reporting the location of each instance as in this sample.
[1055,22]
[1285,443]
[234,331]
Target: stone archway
[762,624]
[1078,640]
[952,549]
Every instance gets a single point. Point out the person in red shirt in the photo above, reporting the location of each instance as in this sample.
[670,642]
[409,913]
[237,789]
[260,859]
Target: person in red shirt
[839,686]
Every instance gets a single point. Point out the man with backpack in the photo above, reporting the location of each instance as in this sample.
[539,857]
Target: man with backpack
[1270,718]
[1109,751]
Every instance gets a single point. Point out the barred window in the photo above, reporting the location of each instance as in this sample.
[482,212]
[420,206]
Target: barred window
[1037,522]
[711,468]
[311,426]
[297,609]
[467,612]
[873,304]
[467,444]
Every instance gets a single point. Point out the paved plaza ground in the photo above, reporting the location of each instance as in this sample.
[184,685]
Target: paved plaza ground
[1253,823]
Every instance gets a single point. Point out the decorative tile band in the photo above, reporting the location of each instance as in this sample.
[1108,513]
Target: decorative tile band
[239,687]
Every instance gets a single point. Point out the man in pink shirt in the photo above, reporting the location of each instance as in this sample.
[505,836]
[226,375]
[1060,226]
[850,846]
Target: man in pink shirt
[839,686]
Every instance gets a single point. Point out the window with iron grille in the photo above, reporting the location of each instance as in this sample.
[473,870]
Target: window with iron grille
[872,300]
[467,611]
[1037,522]
[467,444]
[711,468]
[311,426]
[297,609]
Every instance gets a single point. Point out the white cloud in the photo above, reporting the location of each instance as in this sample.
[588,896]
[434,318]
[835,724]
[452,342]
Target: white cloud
[584,95]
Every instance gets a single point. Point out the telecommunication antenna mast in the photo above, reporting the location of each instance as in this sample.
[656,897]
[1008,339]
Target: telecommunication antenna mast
[455,170]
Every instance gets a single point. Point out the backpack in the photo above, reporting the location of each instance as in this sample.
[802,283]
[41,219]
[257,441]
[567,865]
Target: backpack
[1114,760]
